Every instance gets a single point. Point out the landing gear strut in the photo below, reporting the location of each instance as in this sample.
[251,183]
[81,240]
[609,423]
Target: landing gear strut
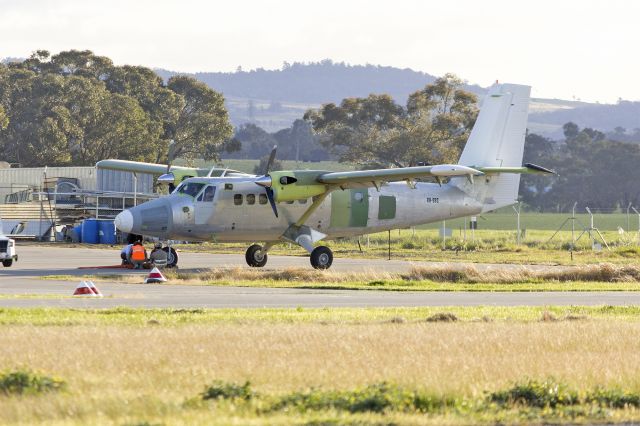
[321,257]
[255,256]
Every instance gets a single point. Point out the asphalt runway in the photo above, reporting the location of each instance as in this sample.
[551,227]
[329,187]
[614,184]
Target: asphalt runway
[25,278]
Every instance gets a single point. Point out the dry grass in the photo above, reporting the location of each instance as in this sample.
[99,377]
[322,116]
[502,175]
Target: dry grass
[124,374]
[604,272]
[287,274]
[454,273]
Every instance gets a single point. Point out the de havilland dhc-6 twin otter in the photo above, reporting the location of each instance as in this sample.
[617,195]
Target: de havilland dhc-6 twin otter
[308,206]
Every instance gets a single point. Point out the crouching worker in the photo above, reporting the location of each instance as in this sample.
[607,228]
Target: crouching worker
[158,257]
[138,255]
[125,254]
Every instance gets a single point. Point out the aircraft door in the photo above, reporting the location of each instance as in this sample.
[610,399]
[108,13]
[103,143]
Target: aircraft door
[204,205]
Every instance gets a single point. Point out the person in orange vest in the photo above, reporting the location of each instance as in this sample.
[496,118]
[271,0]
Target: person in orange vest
[138,255]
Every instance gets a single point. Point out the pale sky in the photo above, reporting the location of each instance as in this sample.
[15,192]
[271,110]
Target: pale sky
[563,48]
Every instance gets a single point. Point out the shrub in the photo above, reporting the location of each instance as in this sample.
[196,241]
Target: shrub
[377,398]
[223,390]
[408,245]
[443,317]
[25,382]
[533,393]
[613,398]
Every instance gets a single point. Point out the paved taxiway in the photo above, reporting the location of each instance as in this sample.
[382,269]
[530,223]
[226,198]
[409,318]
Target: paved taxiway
[37,261]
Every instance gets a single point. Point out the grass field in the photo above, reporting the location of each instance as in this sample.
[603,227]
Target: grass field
[323,366]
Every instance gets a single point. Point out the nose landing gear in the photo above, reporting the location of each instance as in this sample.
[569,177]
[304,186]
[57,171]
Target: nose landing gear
[172,257]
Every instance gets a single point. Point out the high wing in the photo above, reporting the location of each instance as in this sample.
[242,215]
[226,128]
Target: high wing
[168,173]
[140,167]
[375,177]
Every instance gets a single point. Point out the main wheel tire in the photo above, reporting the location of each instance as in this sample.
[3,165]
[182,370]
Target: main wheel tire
[321,257]
[8,262]
[254,256]
[172,257]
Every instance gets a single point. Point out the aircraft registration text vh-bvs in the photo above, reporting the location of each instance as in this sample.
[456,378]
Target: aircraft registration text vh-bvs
[307,206]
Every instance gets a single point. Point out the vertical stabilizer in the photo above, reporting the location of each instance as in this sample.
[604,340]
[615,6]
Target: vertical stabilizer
[497,139]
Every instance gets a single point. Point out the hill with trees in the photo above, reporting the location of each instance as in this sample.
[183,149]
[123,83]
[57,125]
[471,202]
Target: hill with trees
[274,99]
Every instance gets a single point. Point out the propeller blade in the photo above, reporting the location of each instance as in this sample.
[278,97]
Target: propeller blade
[269,192]
[272,157]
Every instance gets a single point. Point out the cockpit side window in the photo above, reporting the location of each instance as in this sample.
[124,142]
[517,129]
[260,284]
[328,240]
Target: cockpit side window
[208,194]
[189,188]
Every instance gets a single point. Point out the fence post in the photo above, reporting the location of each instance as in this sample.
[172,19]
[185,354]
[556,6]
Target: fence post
[444,234]
[638,213]
[518,216]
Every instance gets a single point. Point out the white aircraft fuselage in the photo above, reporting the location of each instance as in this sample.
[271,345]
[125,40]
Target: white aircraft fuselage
[241,212]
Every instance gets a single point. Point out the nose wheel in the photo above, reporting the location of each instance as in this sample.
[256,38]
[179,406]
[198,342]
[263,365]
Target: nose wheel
[321,257]
[255,256]
[172,257]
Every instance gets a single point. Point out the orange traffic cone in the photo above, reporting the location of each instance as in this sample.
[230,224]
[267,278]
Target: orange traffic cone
[94,289]
[83,289]
[155,276]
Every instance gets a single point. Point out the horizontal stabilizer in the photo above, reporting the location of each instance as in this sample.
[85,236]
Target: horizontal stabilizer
[528,168]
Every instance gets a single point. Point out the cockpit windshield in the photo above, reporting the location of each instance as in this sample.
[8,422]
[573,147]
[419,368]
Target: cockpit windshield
[189,188]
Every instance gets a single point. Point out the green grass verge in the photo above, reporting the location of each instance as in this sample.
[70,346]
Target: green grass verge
[34,296]
[177,317]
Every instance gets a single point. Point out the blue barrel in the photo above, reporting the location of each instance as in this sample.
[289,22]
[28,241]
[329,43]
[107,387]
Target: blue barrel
[90,231]
[106,232]
[76,234]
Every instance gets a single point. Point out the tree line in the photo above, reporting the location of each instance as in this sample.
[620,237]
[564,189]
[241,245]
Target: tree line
[76,108]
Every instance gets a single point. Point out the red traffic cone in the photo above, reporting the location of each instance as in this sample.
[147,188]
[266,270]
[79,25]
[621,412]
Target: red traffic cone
[83,289]
[94,289]
[155,276]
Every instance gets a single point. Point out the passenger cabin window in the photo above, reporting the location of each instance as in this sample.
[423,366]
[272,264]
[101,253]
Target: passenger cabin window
[303,201]
[189,188]
[207,195]
[237,199]
[289,202]
[262,199]
[251,199]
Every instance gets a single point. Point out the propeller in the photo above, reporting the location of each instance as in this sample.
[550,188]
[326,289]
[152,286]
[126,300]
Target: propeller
[265,180]
[168,177]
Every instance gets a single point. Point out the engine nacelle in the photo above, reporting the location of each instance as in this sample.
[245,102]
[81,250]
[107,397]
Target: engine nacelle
[298,185]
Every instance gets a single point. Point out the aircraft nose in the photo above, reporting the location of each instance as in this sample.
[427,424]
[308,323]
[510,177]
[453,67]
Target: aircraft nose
[124,221]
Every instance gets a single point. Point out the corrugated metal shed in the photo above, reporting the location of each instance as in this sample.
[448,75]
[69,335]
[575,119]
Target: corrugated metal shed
[13,180]
[115,180]
[34,176]
[89,178]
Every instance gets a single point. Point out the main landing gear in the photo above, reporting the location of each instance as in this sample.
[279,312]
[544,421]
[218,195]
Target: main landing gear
[256,256]
[321,257]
